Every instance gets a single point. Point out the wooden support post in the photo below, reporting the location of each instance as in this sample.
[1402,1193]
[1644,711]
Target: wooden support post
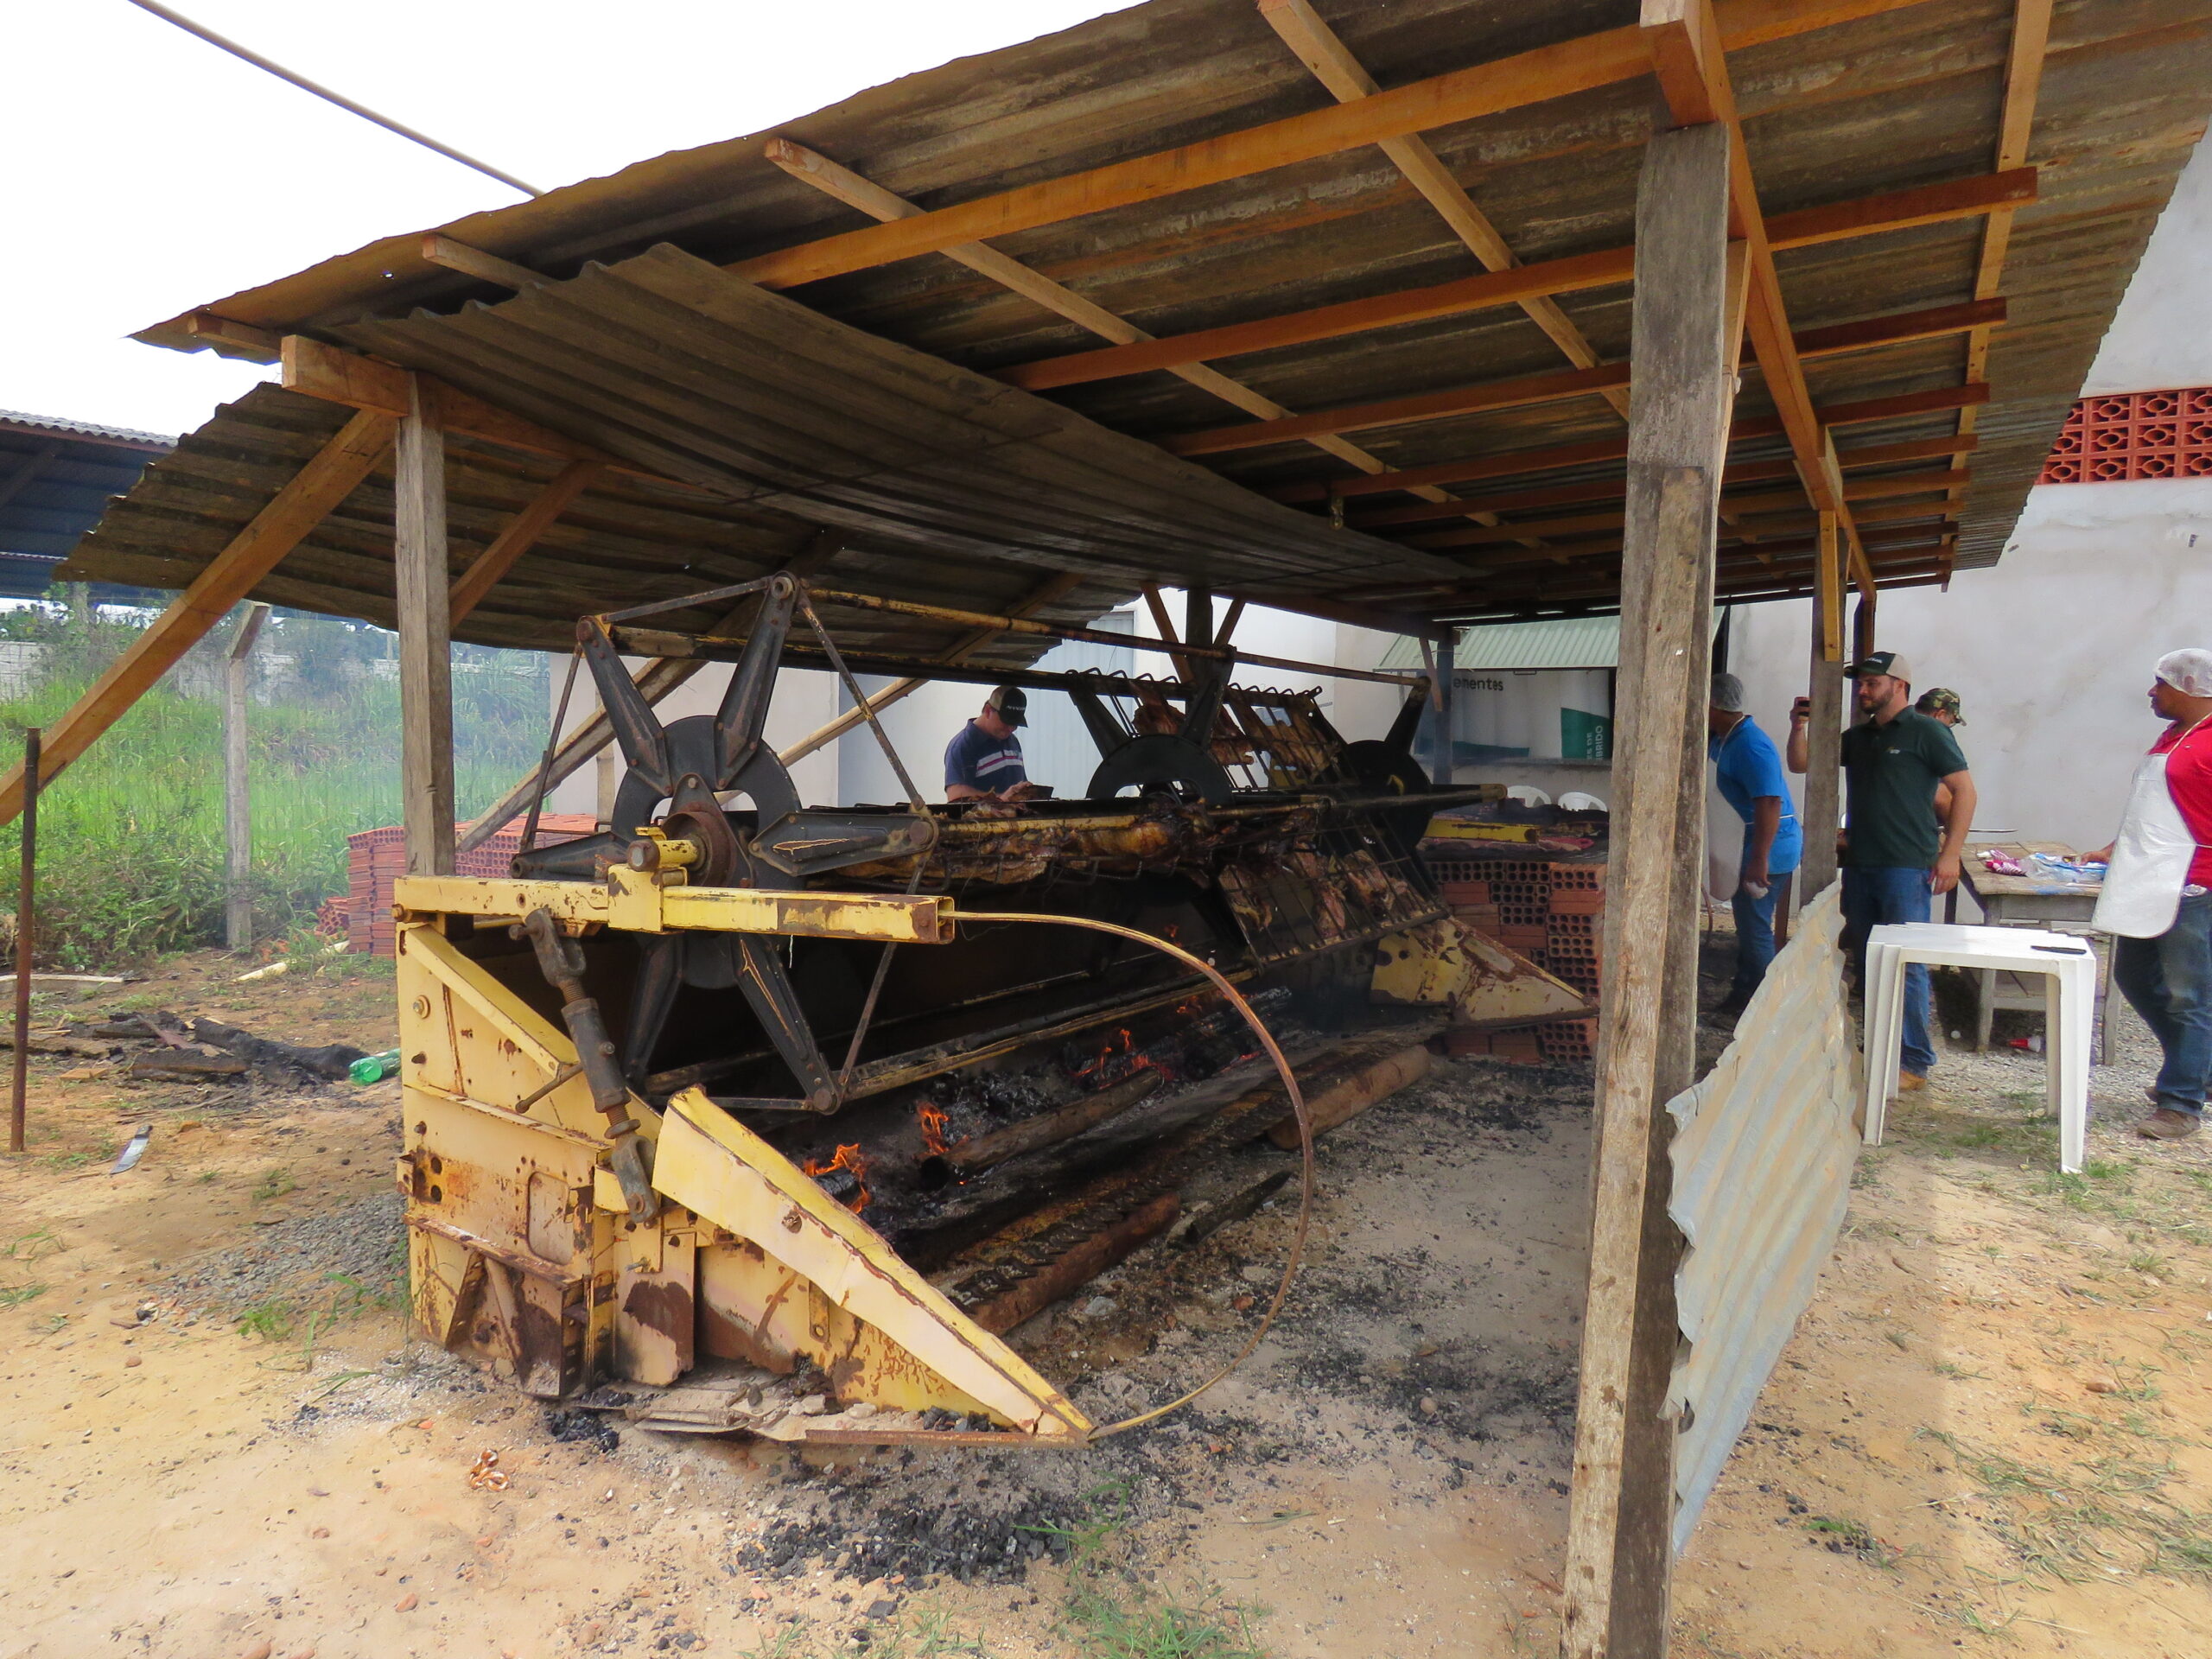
[1823,745]
[1862,624]
[1621,1504]
[238,792]
[321,485]
[424,578]
[1442,682]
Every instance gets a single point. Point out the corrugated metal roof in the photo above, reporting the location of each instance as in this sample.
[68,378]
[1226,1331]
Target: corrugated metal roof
[1763,1149]
[15,418]
[1878,96]
[1560,642]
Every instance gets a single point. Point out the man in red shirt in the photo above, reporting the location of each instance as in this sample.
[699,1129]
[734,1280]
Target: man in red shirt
[2168,977]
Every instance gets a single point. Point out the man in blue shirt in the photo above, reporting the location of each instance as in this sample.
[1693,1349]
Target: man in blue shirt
[984,757]
[1749,771]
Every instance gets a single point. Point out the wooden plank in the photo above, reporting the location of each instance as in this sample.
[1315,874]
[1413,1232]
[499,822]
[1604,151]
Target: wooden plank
[520,535]
[1556,71]
[2015,126]
[1864,334]
[474,262]
[1515,461]
[424,580]
[231,339]
[811,167]
[318,486]
[1607,489]
[1824,726]
[1898,210]
[338,376]
[1317,47]
[1621,1499]
[238,792]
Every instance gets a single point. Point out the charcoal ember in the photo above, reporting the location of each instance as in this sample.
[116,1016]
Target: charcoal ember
[582,1428]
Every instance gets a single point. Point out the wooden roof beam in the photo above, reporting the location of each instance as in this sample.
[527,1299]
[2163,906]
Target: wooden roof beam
[1609,267]
[1609,489]
[1565,383]
[1690,57]
[2015,126]
[811,167]
[1573,66]
[339,375]
[1318,48]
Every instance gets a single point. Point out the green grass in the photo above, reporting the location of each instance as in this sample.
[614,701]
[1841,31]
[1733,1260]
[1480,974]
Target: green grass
[16,1295]
[2065,1523]
[271,1321]
[274,1184]
[131,835]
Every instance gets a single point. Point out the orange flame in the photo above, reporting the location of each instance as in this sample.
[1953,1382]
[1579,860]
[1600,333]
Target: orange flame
[932,1121]
[849,1160]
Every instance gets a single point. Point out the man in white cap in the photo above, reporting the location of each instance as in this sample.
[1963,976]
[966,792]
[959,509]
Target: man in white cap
[2158,894]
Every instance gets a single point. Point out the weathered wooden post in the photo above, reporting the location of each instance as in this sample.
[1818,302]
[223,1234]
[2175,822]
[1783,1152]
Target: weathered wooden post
[423,581]
[1683,384]
[238,792]
[1824,723]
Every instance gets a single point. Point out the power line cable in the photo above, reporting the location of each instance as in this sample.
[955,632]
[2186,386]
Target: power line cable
[325,93]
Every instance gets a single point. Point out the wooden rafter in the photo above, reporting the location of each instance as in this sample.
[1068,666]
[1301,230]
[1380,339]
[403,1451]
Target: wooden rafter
[1334,66]
[813,168]
[1513,462]
[2015,126]
[1609,489]
[521,534]
[1525,390]
[1573,66]
[1608,267]
[1690,57]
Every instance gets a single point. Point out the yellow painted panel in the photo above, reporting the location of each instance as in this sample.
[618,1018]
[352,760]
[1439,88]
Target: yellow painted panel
[712,1164]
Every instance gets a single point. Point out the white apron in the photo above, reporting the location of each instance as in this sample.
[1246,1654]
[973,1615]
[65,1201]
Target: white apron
[2151,857]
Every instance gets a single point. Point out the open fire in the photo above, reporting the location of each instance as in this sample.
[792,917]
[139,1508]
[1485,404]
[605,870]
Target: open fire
[844,1178]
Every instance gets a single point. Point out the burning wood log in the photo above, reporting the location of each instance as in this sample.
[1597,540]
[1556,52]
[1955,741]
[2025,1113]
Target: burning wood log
[981,1152]
[1069,1272]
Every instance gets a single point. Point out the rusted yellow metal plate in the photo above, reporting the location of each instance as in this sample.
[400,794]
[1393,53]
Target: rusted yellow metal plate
[713,1165]
[640,904]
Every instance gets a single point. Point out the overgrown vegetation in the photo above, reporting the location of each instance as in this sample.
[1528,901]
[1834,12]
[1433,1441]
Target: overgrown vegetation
[130,836]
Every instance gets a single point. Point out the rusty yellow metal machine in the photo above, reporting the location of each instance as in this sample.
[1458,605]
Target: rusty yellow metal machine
[779,1116]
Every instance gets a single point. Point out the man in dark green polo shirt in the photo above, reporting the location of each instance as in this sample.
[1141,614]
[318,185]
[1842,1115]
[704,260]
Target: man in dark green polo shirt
[1895,855]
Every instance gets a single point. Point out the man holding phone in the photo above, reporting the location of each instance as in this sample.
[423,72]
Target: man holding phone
[1896,852]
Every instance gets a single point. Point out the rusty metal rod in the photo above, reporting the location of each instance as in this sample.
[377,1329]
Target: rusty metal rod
[26,911]
[851,600]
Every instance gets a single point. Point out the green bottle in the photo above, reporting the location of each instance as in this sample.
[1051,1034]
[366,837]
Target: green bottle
[374,1068]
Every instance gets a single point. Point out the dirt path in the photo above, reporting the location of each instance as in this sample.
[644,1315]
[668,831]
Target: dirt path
[262,1465]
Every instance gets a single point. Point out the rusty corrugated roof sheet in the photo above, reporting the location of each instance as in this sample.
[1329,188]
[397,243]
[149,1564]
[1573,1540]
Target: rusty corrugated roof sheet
[1882,97]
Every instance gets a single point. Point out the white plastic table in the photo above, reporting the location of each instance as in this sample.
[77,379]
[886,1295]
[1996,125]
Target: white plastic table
[2069,971]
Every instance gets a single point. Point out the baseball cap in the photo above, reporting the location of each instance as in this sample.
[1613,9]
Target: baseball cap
[1012,703]
[1942,701]
[1882,661]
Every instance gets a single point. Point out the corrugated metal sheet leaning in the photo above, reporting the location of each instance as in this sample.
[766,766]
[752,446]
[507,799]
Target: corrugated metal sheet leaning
[1763,1154]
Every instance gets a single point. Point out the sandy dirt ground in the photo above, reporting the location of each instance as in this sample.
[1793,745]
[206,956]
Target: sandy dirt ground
[1989,1433]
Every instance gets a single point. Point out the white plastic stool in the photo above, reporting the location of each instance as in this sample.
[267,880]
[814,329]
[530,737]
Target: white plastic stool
[2069,968]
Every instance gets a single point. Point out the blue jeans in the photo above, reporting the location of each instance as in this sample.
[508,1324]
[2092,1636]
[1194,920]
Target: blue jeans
[1880,897]
[2168,981]
[1754,936]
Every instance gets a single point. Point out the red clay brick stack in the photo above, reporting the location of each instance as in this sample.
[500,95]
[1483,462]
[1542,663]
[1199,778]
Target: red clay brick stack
[1551,913]
[377,858]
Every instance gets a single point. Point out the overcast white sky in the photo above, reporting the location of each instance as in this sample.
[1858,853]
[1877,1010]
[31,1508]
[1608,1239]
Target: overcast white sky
[149,172]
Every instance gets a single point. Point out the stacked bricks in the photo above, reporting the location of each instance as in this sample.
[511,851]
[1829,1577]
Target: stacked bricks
[377,858]
[2133,435]
[1554,914]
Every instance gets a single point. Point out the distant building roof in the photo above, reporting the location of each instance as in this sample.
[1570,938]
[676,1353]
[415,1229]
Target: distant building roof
[17,420]
[1562,642]
[56,478]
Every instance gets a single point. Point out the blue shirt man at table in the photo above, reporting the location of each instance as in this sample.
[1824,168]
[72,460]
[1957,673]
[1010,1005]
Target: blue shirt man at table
[983,761]
[1748,769]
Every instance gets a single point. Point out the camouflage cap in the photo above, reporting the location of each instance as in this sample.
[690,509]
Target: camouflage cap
[1942,701]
